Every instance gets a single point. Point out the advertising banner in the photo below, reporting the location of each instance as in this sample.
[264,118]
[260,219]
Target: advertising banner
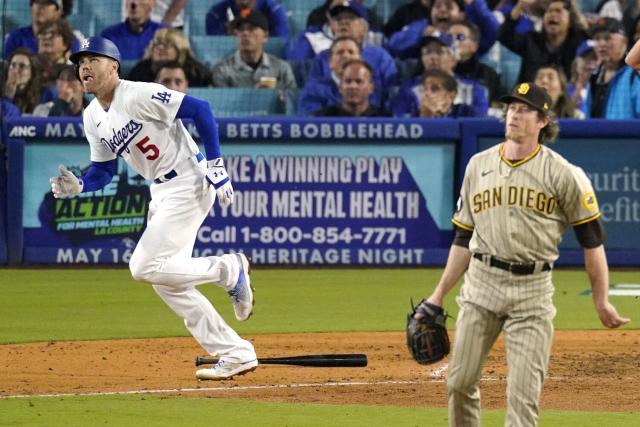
[337,201]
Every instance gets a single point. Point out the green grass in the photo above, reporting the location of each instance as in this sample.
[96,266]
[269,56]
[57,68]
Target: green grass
[42,305]
[149,411]
[56,304]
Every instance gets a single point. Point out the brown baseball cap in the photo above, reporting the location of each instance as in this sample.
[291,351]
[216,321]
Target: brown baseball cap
[531,94]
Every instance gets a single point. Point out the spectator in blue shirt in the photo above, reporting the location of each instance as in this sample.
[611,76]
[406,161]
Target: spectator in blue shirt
[136,32]
[42,11]
[356,86]
[438,52]
[321,92]
[584,65]
[614,90]
[345,19]
[350,22]
[406,43]
[221,16]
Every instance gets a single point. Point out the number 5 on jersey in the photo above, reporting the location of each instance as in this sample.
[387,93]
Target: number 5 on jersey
[148,147]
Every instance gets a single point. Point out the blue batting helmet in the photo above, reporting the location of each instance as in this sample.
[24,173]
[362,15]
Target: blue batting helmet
[97,46]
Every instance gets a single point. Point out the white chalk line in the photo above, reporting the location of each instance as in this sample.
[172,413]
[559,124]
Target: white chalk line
[433,379]
[231,388]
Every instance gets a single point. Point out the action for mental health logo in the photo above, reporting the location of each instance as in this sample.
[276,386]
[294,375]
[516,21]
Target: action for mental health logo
[118,210]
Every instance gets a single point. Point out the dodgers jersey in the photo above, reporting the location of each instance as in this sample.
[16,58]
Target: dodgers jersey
[141,127]
[519,211]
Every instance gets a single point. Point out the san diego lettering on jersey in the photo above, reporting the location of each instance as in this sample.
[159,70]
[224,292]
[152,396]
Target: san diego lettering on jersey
[528,198]
[121,138]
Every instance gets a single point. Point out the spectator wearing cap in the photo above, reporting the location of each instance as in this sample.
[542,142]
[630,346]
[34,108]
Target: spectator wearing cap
[321,92]
[70,100]
[250,65]
[466,38]
[438,53]
[136,32]
[555,44]
[345,18]
[614,89]
[42,11]
[584,65]
[406,43]
[356,86]
[219,20]
[318,17]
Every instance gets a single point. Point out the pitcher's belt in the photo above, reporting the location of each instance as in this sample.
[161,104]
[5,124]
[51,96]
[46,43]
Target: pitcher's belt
[513,267]
[175,172]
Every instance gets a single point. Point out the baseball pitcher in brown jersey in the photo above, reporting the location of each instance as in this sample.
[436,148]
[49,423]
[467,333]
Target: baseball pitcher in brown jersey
[516,201]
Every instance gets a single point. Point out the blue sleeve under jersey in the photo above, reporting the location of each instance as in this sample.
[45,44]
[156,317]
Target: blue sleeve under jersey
[200,112]
[98,175]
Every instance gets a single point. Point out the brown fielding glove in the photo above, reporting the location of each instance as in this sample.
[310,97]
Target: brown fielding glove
[427,337]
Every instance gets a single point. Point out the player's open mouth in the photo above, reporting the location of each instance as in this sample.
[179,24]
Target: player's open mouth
[87,78]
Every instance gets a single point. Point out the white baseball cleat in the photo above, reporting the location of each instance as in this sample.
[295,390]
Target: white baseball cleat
[242,293]
[226,370]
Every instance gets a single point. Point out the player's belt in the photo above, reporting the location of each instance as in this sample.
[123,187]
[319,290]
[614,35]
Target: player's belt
[512,267]
[169,176]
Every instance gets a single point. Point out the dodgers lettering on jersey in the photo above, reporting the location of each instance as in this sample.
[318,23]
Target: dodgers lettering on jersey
[122,137]
[519,211]
[140,127]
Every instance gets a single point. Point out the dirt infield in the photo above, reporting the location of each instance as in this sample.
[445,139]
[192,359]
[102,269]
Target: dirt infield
[589,370]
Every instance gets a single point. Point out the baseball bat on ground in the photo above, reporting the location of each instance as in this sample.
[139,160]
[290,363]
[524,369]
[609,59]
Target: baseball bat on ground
[317,360]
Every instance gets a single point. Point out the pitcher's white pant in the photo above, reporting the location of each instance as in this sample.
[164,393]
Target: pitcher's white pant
[163,258]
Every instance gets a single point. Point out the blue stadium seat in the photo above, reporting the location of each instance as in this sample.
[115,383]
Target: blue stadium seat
[83,23]
[239,102]
[509,68]
[196,15]
[18,14]
[384,8]
[588,5]
[211,49]
[105,14]
[301,70]
[297,13]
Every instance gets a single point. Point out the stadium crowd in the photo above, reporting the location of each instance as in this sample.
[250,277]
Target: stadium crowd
[430,58]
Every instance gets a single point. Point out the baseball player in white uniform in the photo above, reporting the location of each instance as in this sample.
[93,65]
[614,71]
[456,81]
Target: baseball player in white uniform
[138,122]
[516,201]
